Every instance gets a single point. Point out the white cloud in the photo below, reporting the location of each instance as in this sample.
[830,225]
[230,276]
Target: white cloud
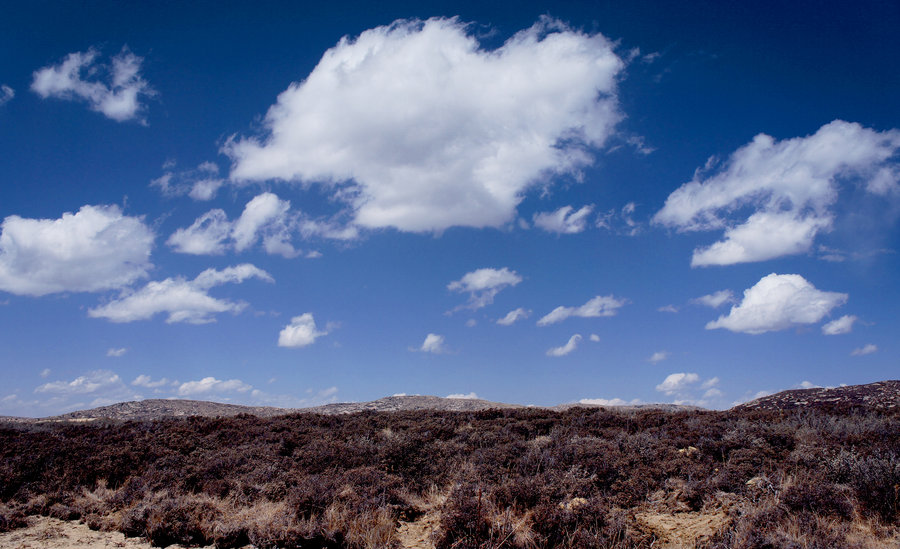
[434,344]
[570,346]
[183,300]
[113,352]
[620,221]
[668,309]
[564,220]
[658,356]
[201,183]
[206,236]
[265,210]
[45,373]
[266,217]
[596,307]
[715,300]
[95,249]
[6,94]
[790,185]
[778,302]
[144,380]
[867,349]
[843,325]
[677,383]
[606,402]
[471,323]
[462,133]
[595,338]
[467,396]
[808,385]
[210,384]
[302,331]
[483,284]
[709,383]
[117,95]
[514,316]
[92,382]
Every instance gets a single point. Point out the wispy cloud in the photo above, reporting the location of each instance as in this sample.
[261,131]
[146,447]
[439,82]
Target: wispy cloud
[570,346]
[599,306]
[79,76]
[483,285]
[183,300]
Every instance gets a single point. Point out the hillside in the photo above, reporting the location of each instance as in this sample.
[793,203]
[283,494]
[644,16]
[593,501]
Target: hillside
[881,395]
[517,478]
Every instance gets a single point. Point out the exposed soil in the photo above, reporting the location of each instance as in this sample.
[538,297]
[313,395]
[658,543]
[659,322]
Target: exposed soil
[51,533]
[682,530]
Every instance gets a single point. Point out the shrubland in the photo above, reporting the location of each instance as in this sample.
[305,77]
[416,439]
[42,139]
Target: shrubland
[514,478]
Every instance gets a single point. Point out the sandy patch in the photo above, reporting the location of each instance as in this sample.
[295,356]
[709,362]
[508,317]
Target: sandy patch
[682,530]
[51,533]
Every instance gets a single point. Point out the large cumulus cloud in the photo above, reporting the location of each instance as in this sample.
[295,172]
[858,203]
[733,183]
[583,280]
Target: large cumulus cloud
[419,128]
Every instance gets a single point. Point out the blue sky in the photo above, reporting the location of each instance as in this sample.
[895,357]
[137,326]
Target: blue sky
[289,204]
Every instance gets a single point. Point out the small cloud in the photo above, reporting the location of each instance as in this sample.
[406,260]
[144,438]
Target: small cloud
[621,221]
[118,97]
[843,325]
[865,350]
[302,331]
[675,383]
[201,183]
[603,402]
[468,396]
[595,338]
[399,395]
[144,380]
[570,346]
[471,323]
[116,352]
[709,383]
[563,220]
[89,383]
[434,344]
[313,254]
[483,284]
[715,300]
[596,307]
[658,356]
[514,316]
[668,309]
[808,385]
[6,94]
[210,384]
[45,373]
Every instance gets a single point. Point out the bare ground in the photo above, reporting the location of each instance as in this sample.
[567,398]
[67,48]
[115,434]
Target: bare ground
[51,533]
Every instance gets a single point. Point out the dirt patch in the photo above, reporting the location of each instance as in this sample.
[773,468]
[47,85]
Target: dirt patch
[421,532]
[682,530]
[51,533]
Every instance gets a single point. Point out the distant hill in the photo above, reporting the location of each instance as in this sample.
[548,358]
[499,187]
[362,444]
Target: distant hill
[879,395]
[151,409]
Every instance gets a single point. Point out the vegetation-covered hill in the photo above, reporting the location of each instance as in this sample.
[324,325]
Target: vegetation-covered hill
[499,478]
[882,395]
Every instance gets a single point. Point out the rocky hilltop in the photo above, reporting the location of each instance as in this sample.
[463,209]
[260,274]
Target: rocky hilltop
[880,395]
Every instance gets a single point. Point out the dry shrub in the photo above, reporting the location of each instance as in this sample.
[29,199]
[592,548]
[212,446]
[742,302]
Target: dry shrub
[11,518]
[366,529]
